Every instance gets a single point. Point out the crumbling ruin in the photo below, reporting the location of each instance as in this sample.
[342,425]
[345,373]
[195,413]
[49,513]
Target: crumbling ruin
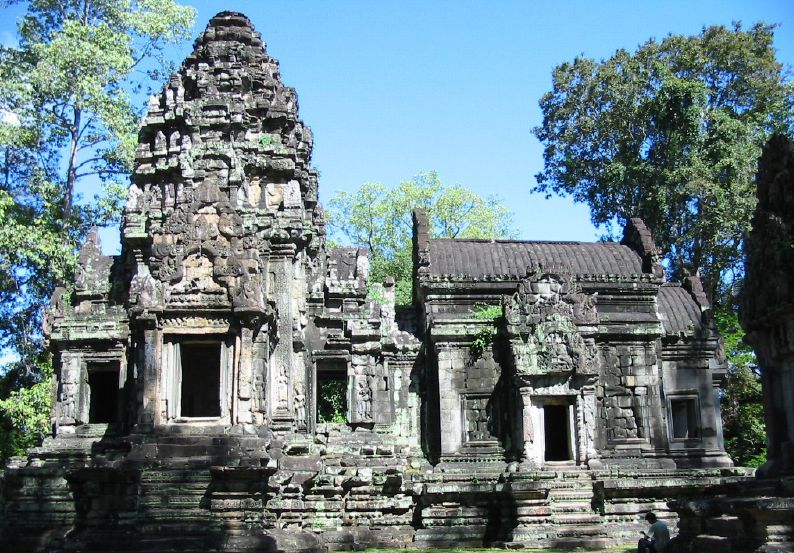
[758,515]
[228,383]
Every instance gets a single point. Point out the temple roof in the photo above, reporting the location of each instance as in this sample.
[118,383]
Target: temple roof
[678,310]
[479,258]
[227,119]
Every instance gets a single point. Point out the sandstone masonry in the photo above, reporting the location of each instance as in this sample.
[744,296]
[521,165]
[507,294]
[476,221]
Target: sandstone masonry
[228,383]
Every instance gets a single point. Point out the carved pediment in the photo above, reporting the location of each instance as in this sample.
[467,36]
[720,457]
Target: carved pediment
[92,278]
[546,291]
[543,319]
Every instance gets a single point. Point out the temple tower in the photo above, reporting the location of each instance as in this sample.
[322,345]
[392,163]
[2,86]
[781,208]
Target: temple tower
[221,236]
[767,312]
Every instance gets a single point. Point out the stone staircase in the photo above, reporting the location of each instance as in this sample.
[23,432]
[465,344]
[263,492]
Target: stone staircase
[572,516]
[554,508]
[361,488]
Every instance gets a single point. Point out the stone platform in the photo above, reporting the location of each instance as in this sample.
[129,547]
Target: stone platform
[341,490]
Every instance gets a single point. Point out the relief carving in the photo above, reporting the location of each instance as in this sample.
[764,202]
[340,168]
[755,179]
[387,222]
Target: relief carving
[542,326]
[248,295]
[146,292]
[299,401]
[363,399]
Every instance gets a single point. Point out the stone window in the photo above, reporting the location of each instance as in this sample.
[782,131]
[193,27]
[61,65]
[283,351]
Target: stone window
[684,418]
[197,378]
[476,418]
[331,399]
[103,384]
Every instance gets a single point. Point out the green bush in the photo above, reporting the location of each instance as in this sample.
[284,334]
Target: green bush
[331,401]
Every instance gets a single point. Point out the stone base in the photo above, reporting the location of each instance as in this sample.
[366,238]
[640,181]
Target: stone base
[749,516]
[340,490]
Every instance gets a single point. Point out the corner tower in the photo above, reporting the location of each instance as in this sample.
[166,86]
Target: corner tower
[221,235]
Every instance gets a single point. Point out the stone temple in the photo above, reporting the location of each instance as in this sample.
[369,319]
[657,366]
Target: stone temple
[228,383]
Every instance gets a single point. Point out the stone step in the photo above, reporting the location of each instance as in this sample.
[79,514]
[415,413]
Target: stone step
[563,485]
[174,515]
[175,475]
[585,543]
[725,526]
[585,531]
[584,499]
[712,544]
[575,493]
[571,508]
[164,501]
[576,519]
[175,489]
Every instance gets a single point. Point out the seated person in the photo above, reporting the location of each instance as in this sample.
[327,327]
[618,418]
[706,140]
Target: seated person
[657,538]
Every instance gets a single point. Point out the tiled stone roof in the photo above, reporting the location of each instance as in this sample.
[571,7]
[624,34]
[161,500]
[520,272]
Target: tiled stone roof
[479,258]
[678,310]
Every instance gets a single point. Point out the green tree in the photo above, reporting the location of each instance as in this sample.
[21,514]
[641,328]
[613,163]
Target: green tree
[742,397]
[670,133]
[68,92]
[379,219]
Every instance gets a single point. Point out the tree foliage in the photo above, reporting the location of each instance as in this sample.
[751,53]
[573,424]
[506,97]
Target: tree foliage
[742,398]
[68,92]
[670,133]
[379,219]
[25,414]
[331,401]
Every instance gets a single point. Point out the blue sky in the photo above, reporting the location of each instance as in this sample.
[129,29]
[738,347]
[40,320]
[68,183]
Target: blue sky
[392,89]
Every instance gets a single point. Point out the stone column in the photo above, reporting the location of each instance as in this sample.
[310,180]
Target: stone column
[245,376]
[449,401]
[149,413]
[261,349]
[585,425]
[532,451]
[68,391]
[280,367]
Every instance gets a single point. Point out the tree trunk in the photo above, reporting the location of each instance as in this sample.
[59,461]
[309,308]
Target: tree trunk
[71,174]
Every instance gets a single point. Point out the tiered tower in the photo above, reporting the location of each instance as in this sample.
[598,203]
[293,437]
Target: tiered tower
[222,229]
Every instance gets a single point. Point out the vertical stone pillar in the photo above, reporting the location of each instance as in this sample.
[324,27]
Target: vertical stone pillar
[259,369]
[587,407]
[149,413]
[450,410]
[531,449]
[280,367]
[69,386]
[360,389]
[245,376]
[300,364]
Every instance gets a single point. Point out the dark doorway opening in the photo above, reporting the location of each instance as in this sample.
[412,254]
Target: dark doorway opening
[555,429]
[331,400]
[201,379]
[103,380]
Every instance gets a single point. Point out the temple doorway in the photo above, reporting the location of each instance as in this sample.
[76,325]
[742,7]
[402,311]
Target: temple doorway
[103,382]
[201,379]
[556,431]
[331,401]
